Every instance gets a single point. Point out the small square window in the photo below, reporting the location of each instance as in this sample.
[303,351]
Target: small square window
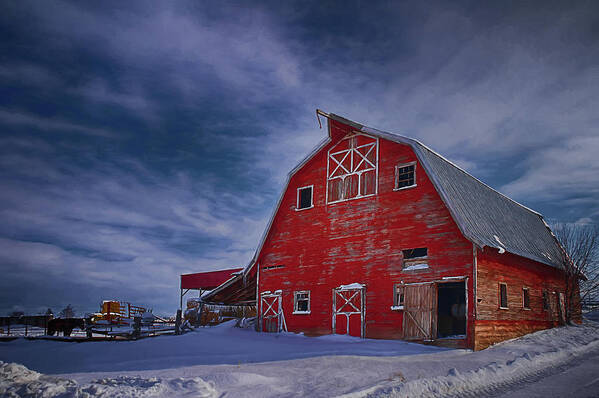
[415,259]
[301,303]
[405,175]
[503,295]
[525,298]
[304,198]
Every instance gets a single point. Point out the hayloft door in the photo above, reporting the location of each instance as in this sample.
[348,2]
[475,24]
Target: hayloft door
[272,318]
[420,311]
[349,310]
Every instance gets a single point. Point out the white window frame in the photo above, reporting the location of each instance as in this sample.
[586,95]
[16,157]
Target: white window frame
[297,203]
[399,166]
[507,301]
[295,310]
[525,288]
[397,305]
[351,152]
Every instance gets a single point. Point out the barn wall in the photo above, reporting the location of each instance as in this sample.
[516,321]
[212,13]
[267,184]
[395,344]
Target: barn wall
[488,333]
[494,324]
[360,241]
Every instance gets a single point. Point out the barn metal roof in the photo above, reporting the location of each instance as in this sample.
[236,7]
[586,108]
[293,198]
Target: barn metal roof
[485,216]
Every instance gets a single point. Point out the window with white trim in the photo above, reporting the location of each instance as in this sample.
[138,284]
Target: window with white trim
[398,296]
[301,302]
[405,175]
[305,198]
[352,168]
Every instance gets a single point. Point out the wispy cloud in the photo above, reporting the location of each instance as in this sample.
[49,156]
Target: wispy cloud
[135,230]
[132,99]
[9,117]
[569,170]
[28,74]
[183,44]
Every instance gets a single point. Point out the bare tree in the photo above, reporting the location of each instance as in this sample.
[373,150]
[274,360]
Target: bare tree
[581,265]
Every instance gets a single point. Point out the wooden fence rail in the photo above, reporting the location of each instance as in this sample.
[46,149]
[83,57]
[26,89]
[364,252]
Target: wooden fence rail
[26,325]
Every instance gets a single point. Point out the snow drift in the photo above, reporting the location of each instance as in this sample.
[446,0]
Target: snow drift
[532,355]
[242,363]
[18,381]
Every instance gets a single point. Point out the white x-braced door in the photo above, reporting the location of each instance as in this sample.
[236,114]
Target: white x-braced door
[349,310]
[272,318]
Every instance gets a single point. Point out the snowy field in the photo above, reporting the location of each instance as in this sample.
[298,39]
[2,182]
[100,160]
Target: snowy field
[226,361]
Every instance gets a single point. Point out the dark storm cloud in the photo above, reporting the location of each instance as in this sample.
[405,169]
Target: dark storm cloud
[143,140]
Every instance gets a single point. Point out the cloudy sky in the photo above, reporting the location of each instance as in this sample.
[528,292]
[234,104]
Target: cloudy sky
[139,141]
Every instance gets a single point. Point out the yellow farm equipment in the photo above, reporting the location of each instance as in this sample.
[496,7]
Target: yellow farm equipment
[117,312]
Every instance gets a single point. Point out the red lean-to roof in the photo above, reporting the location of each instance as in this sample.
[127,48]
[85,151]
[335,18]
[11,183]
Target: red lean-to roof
[207,280]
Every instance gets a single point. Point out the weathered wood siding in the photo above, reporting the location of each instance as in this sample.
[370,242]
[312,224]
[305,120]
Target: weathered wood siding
[494,324]
[420,322]
[490,332]
[360,241]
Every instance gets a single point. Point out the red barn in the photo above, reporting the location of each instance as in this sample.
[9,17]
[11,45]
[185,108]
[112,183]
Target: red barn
[378,236]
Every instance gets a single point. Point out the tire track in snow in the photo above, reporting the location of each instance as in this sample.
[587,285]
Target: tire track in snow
[573,362]
[516,372]
[504,387]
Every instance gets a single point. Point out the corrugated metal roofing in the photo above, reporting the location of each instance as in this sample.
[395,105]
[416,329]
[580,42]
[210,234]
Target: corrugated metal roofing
[487,217]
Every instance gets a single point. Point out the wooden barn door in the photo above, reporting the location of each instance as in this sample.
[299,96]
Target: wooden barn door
[272,318]
[349,311]
[420,311]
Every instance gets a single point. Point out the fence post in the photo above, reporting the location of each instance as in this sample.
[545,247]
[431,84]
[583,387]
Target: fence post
[136,327]
[178,322]
[88,327]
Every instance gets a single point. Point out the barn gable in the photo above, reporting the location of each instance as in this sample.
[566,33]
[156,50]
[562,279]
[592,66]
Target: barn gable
[483,215]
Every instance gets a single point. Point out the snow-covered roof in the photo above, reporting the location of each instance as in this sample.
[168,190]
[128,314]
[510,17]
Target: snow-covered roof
[351,286]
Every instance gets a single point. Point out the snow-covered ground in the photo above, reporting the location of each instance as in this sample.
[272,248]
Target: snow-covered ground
[227,361]
[22,330]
